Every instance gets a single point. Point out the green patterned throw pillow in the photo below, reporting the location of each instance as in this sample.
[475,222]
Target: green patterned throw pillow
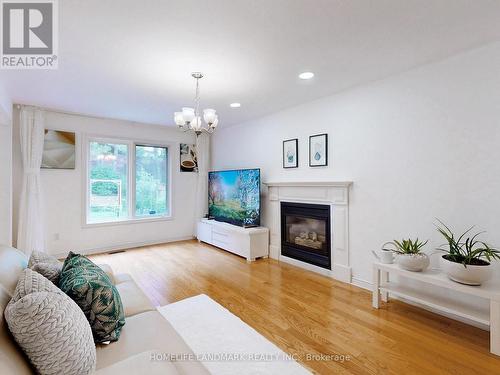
[91,288]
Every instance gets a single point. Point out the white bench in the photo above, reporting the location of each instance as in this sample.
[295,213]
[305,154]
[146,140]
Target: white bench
[490,291]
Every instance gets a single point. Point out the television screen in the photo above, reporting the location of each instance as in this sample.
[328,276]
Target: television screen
[234,196]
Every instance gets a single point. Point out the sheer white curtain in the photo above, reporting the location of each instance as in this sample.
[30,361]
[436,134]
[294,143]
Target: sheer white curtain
[30,234]
[203,149]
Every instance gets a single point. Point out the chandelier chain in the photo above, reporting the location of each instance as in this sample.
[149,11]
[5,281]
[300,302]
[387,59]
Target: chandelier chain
[197,98]
[191,118]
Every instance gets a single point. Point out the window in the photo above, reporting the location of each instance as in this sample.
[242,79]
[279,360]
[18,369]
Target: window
[126,181]
[150,181]
[108,188]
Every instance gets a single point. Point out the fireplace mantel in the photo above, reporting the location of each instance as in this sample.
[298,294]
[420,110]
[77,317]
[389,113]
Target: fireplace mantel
[333,193]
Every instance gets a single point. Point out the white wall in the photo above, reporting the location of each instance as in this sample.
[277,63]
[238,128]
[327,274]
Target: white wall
[421,145]
[63,190]
[5,168]
[5,106]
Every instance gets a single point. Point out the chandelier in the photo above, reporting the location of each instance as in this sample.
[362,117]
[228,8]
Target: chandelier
[190,119]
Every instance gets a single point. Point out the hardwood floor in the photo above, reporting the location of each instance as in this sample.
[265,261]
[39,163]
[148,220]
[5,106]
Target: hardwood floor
[308,314]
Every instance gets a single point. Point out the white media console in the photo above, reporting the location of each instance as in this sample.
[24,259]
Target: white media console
[250,243]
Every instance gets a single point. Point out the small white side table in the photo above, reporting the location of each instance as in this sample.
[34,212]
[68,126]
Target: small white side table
[382,288]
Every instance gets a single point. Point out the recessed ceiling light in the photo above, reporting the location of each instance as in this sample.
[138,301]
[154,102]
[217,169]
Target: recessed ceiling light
[306,75]
[235,105]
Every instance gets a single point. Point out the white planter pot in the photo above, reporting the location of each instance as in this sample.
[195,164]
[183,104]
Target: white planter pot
[413,262]
[470,275]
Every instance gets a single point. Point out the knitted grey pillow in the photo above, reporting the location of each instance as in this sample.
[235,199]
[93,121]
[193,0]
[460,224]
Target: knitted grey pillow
[46,265]
[51,271]
[41,257]
[31,282]
[50,328]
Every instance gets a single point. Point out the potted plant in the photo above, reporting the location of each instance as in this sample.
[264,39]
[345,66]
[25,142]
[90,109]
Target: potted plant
[409,255]
[467,260]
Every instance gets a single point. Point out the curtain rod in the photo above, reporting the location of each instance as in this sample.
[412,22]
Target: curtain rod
[59,111]
[19,106]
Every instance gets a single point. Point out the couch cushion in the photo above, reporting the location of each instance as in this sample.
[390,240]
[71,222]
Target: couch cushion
[149,331]
[50,328]
[133,298]
[12,359]
[93,291]
[140,364]
[12,263]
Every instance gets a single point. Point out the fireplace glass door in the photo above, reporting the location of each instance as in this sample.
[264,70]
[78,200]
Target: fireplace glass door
[305,233]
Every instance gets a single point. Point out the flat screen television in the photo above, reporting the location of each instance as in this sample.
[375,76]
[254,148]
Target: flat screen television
[234,196]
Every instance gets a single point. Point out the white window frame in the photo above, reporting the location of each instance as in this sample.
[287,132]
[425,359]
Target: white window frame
[131,193]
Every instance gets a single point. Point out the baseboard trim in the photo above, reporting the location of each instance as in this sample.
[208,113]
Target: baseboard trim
[306,266]
[342,273]
[362,283]
[274,252]
[338,271]
[125,246]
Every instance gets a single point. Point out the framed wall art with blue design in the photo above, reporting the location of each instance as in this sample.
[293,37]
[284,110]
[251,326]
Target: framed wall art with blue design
[318,150]
[291,153]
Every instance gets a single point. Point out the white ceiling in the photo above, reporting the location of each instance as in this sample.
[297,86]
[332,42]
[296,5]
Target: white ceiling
[132,59]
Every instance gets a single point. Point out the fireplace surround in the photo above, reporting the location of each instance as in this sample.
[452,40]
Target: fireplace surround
[333,194]
[305,233]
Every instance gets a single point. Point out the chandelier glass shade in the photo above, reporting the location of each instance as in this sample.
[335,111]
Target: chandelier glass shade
[190,119]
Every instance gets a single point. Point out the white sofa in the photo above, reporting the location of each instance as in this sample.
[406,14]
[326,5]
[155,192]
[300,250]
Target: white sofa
[146,342]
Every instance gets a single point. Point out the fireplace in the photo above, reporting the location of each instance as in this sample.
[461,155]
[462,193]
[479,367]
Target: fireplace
[305,233]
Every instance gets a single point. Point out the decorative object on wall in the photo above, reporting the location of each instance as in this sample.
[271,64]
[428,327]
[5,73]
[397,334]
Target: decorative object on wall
[190,118]
[318,150]
[291,153]
[188,158]
[58,150]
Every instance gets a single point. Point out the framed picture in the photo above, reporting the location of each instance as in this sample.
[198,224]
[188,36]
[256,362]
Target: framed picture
[188,158]
[291,153]
[58,150]
[318,150]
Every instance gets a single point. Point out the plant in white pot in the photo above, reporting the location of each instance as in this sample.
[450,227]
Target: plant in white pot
[468,260]
[409,255]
